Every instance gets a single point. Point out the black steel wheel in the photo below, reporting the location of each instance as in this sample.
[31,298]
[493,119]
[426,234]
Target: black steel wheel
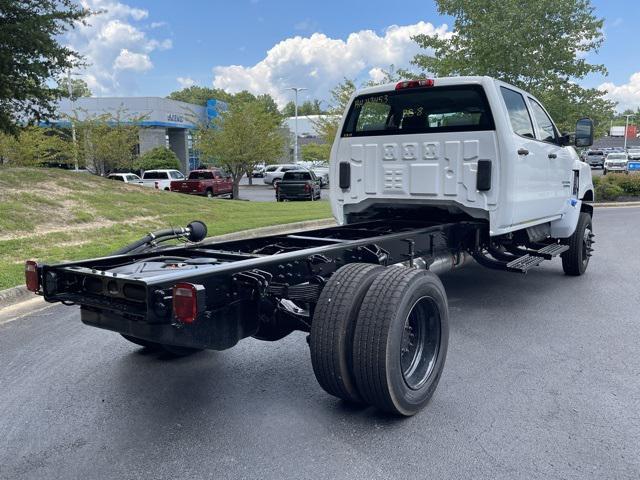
[576,259]
[333,327]
[400,341]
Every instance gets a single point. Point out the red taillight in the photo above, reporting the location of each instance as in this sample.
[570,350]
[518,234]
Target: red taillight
[185,302]
[307,187]
[31,276]
[428,82]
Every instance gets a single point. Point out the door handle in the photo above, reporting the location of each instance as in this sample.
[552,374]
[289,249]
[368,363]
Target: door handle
[553,155]
[523,151]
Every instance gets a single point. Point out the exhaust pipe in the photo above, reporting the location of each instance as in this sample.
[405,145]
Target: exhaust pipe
[442,263]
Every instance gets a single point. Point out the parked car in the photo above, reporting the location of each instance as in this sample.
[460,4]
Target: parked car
[595,158]
[616,162]
[160,179]
[323,175]
[258,171]
[634,153]
[125,177]
[298,185]
[210,183]
[274,173]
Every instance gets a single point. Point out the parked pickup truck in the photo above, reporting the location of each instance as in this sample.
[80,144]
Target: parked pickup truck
[425,176]
[160,179]
[209,183]
[298,185]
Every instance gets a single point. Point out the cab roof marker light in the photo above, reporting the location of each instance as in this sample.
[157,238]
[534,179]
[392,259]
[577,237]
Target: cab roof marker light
[427,82]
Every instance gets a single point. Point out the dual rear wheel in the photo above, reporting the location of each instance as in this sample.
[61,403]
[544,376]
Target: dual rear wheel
[379,336]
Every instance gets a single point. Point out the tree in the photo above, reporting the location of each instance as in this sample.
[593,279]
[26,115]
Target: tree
[316,152]
[106,142]
[240,137]
[79,88]
[327,125]
[159,157]
[308,107]
[31,54]
[34,146]
[538,45]
[199,95]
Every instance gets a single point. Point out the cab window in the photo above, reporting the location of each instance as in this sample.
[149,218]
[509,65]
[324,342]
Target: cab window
[547,132]
[518,113]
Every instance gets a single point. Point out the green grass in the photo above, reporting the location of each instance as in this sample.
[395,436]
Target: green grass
[93,216]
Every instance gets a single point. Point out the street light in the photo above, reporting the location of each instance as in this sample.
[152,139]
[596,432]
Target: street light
[626,128]
[295,145]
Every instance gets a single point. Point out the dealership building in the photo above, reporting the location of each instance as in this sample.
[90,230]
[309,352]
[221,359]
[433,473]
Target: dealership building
[162,122]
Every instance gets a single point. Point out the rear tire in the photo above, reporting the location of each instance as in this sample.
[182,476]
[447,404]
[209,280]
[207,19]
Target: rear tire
[576,259]
[209,194]
[333,327]
[401,339]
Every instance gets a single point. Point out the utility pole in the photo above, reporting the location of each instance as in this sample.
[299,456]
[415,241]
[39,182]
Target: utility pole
[626,127]
[73,127]
[295,145]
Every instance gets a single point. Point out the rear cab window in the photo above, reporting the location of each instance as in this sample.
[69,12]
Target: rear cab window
[200,175]
[155,175]
[459,108]
[297,176]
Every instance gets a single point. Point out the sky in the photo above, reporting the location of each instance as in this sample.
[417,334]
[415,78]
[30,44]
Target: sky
[153,47]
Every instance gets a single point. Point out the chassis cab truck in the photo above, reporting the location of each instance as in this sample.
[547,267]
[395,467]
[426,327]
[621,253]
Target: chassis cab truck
[426,176]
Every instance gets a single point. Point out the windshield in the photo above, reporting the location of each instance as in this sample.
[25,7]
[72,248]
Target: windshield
[155,175]
[426,110]
[616,156]
[595,153]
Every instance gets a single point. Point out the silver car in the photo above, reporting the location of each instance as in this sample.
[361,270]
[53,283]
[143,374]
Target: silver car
[595,158]
[274,173]
[616,162]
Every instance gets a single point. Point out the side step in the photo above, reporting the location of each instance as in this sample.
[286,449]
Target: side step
[524,263]
[533,259]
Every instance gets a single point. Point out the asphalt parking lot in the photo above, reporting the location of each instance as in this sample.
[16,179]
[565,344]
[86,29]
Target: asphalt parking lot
[260,192]
[542,381]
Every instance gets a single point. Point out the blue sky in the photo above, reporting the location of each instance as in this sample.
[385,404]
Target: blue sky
[144,47]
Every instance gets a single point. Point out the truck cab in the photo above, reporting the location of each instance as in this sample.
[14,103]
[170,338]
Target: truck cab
[465,146]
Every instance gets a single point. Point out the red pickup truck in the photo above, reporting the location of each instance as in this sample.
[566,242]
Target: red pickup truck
[204,182]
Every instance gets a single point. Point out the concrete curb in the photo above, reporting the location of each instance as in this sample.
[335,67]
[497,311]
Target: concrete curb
[616,204]
[19,294]
[12,296]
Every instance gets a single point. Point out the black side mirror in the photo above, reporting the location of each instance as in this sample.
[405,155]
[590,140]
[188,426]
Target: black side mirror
[584,132]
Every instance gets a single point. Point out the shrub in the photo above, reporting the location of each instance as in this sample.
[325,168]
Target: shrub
[629,183]
[159,157]
[607,191]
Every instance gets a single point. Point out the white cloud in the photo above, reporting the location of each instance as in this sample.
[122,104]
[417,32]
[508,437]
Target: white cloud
[186,82]
[627,95]
[319,62]
[158,24]
[138,62]
[115,47]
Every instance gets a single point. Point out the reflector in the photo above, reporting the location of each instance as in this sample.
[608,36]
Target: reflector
[185,302]
[31,276]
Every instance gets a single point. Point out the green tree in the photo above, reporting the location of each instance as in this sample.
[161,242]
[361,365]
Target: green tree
[316,152]
[308,107]
[31,54]
[34,146]
[199,95]
[327,125]
[79,88]
[106,142]
[538,45]
[240,137]
[159,157]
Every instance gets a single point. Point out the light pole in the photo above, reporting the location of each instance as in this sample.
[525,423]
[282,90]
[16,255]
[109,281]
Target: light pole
[295,145]
[73,127]
[626,127]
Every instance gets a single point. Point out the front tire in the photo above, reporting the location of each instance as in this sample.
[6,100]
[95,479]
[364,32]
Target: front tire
[401,338]
[333,326]
[576,259]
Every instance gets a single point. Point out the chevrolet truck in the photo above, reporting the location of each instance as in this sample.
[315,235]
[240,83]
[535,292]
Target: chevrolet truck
[426,176]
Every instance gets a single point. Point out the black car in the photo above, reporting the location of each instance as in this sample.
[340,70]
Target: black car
[298,185]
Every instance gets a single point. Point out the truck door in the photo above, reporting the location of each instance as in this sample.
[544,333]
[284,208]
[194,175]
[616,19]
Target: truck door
[560,172]
[533,197]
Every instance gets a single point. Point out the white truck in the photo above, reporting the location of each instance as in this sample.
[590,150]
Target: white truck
[425,175]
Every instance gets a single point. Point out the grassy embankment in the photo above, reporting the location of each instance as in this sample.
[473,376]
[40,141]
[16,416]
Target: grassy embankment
[53,215]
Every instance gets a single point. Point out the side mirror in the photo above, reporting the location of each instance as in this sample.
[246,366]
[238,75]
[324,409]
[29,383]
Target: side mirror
[584,132]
